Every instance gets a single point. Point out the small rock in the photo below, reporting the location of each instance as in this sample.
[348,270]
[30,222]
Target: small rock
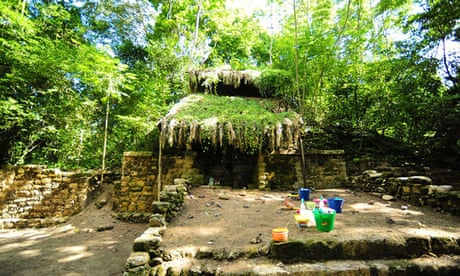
[389,220]
[257,239]
[246,206]
[210,242]
[223,196]
[190,216]
[404,207]
[387,197]
[101,203]
[104,228]
[371,202]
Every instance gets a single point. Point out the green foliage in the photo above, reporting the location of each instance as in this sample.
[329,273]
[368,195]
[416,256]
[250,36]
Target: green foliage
[242,111]
[275,83]
[62,62]
[247,120]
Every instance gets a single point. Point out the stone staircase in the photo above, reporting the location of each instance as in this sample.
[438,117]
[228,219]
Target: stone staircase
[379,256]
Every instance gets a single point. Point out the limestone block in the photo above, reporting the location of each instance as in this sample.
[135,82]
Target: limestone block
[157,220]
[147,189]
[132,207]
[147,242]
[441,189]
[151,179]
[416,189]
[134,196]
[426,190]
[124,189]
[141,207]
[73,186]
[420,179]
[405,189]
[160,207]
[156,231]
[137,259]
[136,186]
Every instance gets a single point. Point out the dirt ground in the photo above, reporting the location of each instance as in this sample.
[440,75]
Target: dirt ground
[72,249]
[236,222]
[207,220]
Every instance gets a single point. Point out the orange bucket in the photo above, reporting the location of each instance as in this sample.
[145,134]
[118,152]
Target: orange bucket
[280,234]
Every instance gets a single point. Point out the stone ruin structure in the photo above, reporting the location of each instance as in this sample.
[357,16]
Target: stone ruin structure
[213,150]
[153,184]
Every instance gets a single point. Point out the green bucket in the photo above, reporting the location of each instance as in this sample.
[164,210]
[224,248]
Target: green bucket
[324,220]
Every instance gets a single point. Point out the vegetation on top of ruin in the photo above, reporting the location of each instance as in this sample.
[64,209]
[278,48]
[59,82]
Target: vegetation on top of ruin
[246,124]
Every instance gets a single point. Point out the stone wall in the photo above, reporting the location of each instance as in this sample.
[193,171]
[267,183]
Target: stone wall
[35,196]
[325,168]
[415,187]
[147,255]
[138,189]
[133,197]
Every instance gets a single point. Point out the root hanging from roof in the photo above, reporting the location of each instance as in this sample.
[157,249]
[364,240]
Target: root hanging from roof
[209,78]
[248,125]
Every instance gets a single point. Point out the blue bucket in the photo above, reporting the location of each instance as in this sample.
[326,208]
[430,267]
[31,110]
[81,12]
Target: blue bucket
[335,203]
[304,194]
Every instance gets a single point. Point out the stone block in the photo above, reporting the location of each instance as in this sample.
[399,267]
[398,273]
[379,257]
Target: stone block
[405,189]
[132,207]
[420,179]
[160,207]
[157,220]
[156,231]
[418,189]
[137,259]
[147,242]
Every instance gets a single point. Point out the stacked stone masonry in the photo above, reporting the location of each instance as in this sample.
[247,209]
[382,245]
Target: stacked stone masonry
[35,196]
[147,256]
[139,181]
[416,189]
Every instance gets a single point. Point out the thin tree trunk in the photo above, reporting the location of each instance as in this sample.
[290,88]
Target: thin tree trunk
[270,50]
[195,35]
[23,8]
[106,127]
[444,59]
[296,58]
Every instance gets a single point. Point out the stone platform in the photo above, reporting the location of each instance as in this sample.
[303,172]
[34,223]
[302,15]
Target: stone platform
[213,236]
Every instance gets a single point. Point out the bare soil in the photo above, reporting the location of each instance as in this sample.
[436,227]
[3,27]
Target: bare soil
[236,222]
[207,220]
[74,248]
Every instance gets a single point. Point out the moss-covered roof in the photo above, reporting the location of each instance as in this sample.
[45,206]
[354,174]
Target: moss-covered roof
[245,124]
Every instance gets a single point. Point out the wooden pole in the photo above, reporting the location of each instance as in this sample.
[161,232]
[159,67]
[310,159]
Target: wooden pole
[160,149]
[304,176]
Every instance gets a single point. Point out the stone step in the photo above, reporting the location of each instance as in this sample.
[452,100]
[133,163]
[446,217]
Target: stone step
[296,251]
[383,247]
[444,265]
